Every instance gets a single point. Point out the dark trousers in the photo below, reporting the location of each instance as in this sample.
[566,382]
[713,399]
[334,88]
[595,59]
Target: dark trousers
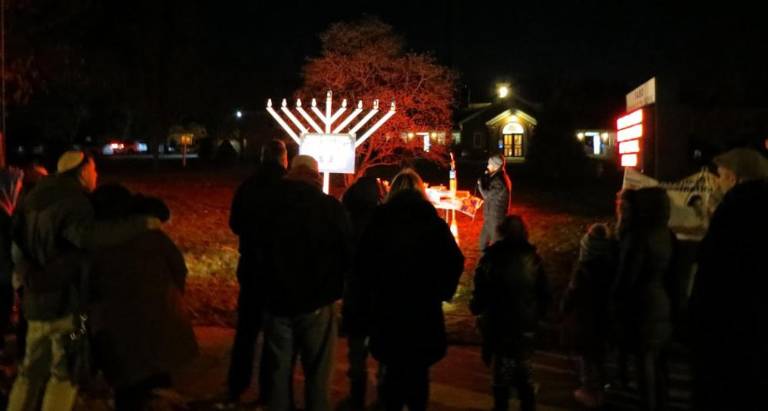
[357,355]
[653,378]
[249,325]
[728,377]
[136,397]
[512,367]
[592,368]
[488,234]
[7,298]
[404,385]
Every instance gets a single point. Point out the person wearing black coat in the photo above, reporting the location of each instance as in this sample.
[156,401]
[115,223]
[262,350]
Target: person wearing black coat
[646,293]
[407,265]
[360,200]
[728,307]
[248,196]
[586,324]
[495,187]
[141,329]
[511,295]
[304,238]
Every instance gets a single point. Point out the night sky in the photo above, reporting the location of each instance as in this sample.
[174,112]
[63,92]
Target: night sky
[212,57]
[522,42]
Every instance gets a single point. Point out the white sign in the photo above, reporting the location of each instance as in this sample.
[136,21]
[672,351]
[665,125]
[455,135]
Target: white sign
[335,153]
[642,96]
[692,200]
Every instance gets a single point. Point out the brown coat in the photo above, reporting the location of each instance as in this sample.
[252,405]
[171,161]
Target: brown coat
[141,324]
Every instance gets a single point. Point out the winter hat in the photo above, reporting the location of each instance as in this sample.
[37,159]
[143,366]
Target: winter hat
[496,160]
[596,243]
[70,160]
[746,163]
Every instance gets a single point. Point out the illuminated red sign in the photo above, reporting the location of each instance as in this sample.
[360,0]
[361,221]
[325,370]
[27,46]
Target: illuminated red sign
[635,117]
[629,131]
[629,147]
[629,160]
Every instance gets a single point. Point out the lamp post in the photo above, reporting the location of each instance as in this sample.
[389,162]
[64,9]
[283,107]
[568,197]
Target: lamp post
[238,117]
[2,80]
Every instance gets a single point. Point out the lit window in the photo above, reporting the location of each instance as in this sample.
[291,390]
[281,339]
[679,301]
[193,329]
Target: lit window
[513,145]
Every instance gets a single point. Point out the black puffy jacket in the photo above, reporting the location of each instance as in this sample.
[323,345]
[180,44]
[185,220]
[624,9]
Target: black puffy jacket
[511,292]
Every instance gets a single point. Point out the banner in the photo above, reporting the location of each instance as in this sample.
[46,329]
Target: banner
[692,200]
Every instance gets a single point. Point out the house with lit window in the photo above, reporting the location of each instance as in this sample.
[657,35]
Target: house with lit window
[505,126]
[598,143]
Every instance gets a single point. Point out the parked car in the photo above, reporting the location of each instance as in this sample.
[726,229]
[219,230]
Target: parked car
[117,147]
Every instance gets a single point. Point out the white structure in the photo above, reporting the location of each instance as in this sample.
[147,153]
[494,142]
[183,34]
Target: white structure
[333,146]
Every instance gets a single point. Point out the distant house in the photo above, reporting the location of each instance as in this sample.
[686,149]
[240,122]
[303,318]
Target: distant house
[505,127]
[598,143]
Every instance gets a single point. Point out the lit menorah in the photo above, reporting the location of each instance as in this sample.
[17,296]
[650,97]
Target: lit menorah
[310,127]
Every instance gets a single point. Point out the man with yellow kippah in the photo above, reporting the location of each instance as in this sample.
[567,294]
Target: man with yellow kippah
[55,229]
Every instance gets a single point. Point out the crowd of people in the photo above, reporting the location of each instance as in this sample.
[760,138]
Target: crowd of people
[70,246]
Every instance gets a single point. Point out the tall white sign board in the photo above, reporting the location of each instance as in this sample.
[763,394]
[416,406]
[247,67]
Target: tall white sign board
[642,96]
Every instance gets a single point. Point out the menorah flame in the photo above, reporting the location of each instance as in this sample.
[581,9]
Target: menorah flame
[329,118]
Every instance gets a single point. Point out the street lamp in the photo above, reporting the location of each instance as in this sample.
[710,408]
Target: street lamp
[503,91]
[239,114]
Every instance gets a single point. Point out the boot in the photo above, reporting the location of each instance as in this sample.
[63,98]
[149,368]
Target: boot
[357,395]
[500,398]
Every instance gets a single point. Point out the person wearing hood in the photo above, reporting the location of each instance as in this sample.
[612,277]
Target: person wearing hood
[360,200]
[645,295]
[304,241]
[141,329]
[728,308]
[495,187]
[586,326]
[511,295]
[406,266]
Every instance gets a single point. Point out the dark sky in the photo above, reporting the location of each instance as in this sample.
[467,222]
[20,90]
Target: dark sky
[527,43]
[223,55]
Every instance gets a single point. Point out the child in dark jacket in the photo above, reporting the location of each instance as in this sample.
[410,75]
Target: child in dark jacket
[510,297]
[585,305]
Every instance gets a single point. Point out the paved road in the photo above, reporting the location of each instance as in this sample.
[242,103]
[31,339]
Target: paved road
[459,382]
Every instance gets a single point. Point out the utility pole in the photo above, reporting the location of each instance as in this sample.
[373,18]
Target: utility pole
[3,136]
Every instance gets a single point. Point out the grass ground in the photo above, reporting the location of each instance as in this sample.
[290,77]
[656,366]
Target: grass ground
[557,216]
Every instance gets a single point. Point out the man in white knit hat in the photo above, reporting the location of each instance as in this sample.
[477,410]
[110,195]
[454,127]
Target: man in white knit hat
[56,226]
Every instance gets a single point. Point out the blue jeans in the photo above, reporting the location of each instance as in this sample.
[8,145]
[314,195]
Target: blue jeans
[313,337]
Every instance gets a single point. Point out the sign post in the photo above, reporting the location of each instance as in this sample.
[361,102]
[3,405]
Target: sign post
[635,130]
[333,146]
[185,140]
